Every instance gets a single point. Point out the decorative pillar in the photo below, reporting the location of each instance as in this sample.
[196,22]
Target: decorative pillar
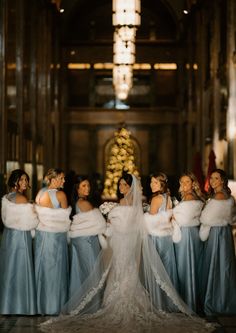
[93,148]
[92,86]
[189,116]
[3,85]
[181,164]
[44,105]
[19,79]
[153,74]
[216,83]
[231,114]
[63,123]
[152,145]
[55,87]
[32,94]
[3,113]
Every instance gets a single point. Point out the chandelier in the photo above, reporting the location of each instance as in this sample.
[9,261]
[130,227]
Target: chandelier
[126,12]
[123,50]
[122,80]
[126,19]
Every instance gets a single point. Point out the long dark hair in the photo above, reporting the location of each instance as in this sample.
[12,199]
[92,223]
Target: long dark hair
[127,177]
[224,178]
[13,181]
[74,197]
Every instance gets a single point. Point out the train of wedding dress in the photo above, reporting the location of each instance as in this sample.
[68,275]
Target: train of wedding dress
[113,299]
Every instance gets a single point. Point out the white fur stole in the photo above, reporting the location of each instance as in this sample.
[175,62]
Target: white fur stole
[89,223]
[19,216]
[53,219]
[186,214]
[216,213]
[159,224]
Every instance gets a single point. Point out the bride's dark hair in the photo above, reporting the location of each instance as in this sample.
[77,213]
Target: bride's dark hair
[128,179]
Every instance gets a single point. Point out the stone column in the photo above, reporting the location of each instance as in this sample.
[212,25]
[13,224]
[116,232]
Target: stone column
[55,89]
[44,87]
[3,113]
[180,165]
[216,83]
[93,139]
[231,112]
[19,79]
[33,94]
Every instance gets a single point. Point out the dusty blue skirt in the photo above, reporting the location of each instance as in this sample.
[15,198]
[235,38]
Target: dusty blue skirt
[166,251]
[188,259]
[17,281]
[218,286]
[83,255]
[51,271]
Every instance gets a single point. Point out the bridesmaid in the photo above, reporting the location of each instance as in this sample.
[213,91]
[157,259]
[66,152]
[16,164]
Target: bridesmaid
[188,247]
[160,229]
[17,280]
[51,251]
[85,233]
[218,280]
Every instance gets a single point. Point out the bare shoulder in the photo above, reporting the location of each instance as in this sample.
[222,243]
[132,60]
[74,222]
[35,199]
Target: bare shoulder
[220,196]
[61,196]
[84,205]
[156,203]
[21,199]
[157,199]
[41,194]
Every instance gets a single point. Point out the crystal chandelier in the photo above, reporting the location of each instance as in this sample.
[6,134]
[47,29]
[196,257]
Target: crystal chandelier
[126,18]
[123,50]
[126,12]
[122,80]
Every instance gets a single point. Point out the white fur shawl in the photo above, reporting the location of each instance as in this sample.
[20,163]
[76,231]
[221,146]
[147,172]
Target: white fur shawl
[89,223]
[215,213]
[159,224]
[186,214]
[19,216]
[53,219]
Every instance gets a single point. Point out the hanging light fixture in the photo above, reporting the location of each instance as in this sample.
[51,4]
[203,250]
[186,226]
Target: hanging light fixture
[126,13]
[123,50]
[123,74]
[122,80]
[126,33]
[126,18]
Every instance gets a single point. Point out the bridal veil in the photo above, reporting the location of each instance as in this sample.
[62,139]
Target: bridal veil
[119,295]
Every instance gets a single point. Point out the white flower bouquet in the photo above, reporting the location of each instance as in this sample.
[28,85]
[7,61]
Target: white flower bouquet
[146,207]
[106,207]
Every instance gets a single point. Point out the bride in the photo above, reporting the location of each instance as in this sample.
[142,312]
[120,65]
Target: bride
[126,306]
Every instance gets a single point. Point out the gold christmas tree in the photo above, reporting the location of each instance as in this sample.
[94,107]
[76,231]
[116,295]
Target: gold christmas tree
[121,159]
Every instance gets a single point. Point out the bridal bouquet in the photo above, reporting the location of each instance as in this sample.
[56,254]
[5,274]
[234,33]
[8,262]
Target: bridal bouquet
[146,207]
[106,207]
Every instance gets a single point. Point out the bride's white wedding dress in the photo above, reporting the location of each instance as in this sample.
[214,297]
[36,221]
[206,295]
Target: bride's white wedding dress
[130,262]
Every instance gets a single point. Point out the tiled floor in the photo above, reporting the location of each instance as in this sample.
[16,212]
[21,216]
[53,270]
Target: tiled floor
[24,324]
